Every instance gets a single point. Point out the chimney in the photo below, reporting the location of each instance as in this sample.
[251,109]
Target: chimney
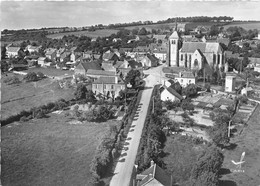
[152,163]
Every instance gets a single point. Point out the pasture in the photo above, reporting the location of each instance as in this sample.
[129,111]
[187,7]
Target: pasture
[249,142]
[50,151]
[25,95]
[94,34]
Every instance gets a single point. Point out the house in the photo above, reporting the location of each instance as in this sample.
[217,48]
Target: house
[116,40]
[107,66]
[18,67]
[12,51]
[32,49]
[125,50]
[83,67]
[154,176]
[74,57]
[87,54]
[257,68]
[99,73]
[65,56]
[42,61]
[149,61]
[50,53]
[168,93]
[109,86]
[59,52]
[133,64]
[185,78]
[93,39]
[109,55]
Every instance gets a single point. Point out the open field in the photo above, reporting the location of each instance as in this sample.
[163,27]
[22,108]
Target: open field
[49,151]
[248,142]
[153,26]
[95,34]
[24,96]
[50,71]
[245,25]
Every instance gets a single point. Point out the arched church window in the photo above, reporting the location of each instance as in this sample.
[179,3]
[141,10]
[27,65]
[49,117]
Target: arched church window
[181,57]
[173,42]
[196,63]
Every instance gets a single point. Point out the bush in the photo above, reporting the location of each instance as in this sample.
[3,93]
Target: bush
[24,119]
[12,80]
[40,75]
[31,76]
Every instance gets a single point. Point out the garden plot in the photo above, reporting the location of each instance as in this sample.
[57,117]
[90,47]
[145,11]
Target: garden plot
[177,117]
[201,117]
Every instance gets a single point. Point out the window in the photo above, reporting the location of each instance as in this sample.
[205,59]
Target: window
[173,42]
[112,86]
[196,63]
[181,57]
[189,81]
[105,87]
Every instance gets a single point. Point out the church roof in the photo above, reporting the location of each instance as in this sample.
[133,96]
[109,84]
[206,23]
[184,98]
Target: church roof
[191,47]
[174,35]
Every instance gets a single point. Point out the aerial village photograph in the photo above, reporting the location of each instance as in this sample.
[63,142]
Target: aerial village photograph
[130,93]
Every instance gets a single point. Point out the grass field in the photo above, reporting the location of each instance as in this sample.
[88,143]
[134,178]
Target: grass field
[95,34]
[245,25]
[248,142]
[154,26]
[24,96]
[50,71]
[49,151]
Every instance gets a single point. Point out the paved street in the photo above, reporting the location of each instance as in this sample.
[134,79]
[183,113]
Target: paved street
[124,167]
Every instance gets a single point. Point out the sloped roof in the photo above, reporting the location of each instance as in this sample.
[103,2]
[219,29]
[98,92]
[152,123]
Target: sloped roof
[108,55]
[159,37]
[174,35]
[134,64]
[108,66]
[108,80]
[191,47]
[187,74]
[118,64]
[91,65]
[13,49]
[172,91]
[50,51]
[154,60]
[100,72]
[157,173]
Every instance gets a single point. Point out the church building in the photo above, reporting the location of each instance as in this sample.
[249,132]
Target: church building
[194,55]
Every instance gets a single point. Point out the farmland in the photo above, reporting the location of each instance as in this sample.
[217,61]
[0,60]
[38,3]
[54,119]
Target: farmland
[94,34]
[50,151]
[245,25]
[26,95]
[249,142]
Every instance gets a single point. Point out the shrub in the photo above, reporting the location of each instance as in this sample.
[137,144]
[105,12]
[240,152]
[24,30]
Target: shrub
[12,80]
[40,75]
[31,76]
[24,119]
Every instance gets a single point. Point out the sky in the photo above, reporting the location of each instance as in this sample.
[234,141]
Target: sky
[38,14]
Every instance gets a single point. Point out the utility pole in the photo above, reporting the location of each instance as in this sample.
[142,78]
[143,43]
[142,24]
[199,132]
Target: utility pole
[229,128]
[153,104]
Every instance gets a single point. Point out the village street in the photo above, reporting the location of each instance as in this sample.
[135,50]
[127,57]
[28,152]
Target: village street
[125,165]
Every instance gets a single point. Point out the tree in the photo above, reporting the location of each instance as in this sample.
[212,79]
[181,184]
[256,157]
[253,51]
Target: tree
[4,66]
[177,87]
[132,77]
[143,31]
[190,90]
[12,80]
[31,76]
[90,97]
[206,170]
[186,105]
[80,92]
[40,75]
[3,53]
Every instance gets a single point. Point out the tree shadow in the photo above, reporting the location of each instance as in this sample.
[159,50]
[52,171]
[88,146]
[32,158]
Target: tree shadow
[231,146]
[227,183]
[131,130]
[126,143]
[132,126]
[224,171]
[129,138]
[122,160]
[124,154]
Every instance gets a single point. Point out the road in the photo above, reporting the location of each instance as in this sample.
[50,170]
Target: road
[124,167]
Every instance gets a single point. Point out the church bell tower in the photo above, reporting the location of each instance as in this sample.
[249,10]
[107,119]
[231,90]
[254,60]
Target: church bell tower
[174,48]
